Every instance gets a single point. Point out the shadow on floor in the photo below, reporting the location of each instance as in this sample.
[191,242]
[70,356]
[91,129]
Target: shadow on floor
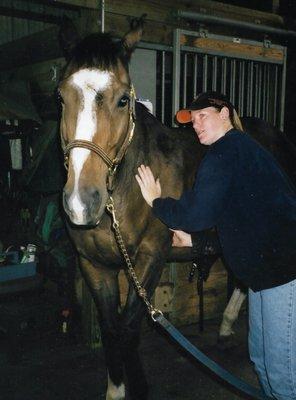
[45,364]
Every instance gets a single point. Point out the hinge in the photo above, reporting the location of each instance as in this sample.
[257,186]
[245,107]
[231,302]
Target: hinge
[203,32]
[236,40]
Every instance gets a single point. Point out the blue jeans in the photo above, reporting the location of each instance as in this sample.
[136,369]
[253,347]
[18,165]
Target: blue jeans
[272,339]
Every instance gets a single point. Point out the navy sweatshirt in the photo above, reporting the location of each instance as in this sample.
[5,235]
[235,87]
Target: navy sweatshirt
[241,191]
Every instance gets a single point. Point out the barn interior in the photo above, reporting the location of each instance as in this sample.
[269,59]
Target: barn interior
[49,336]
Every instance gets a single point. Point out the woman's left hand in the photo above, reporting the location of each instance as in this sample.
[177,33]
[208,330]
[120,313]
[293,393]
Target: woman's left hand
[150,187]
[181,239]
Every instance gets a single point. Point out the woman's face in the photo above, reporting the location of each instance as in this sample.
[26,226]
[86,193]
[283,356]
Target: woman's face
[210,124]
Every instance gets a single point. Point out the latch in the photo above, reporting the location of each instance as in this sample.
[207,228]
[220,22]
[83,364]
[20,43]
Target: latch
[267,43]
[236,40]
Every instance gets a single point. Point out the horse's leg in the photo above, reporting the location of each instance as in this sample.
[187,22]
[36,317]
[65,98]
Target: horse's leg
[230,314]
[131,323]
[103,284]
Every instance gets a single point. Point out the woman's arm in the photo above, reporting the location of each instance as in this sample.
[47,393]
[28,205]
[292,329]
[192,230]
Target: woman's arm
[200,208]
[202,243]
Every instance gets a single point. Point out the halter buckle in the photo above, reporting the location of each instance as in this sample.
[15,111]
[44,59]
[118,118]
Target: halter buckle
[110,177]
[112,170]
[66,162]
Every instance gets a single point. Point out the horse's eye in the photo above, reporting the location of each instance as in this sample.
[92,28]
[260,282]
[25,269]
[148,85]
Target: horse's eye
[123,101]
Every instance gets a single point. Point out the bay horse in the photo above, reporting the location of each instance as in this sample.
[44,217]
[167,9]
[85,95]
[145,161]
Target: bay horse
[106,135]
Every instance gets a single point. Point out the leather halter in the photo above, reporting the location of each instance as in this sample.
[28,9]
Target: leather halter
[111,163]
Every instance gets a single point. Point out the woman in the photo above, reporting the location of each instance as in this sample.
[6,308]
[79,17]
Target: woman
[241,191]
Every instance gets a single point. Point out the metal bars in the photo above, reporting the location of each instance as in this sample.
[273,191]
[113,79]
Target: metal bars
[253,87]
[254,83]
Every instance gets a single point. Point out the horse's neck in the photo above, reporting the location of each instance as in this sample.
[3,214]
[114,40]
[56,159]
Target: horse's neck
[155,145]
[144,143]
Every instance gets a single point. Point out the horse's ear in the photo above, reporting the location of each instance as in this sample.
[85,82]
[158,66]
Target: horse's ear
[68,37]
[134,35]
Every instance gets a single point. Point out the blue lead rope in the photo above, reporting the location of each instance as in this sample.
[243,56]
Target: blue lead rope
[212,365]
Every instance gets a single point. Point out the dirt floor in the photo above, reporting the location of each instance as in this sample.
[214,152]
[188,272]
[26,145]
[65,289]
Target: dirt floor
[39,362]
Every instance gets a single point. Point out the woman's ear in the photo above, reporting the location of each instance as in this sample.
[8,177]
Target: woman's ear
[224,113]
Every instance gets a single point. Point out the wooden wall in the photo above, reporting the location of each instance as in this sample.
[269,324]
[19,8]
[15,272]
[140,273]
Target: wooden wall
[175,297]
[179,299]
[38,57]
[161,21]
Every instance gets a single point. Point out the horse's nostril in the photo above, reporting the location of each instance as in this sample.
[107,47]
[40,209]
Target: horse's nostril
[65,196]
[90,194]
[96,195]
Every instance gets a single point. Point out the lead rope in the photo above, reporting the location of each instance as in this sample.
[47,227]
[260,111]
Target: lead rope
[157,316]
[130,268]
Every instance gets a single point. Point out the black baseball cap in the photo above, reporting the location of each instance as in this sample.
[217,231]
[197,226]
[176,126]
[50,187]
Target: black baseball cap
[204,100]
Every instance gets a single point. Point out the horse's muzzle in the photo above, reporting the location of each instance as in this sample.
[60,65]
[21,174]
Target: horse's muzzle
[84,207]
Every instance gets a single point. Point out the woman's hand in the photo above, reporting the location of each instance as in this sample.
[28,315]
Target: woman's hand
[181,239]
[150,187]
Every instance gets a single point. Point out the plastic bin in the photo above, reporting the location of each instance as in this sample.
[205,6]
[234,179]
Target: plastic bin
[15,269]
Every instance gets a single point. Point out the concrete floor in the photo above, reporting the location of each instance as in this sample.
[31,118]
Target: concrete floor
[39,364]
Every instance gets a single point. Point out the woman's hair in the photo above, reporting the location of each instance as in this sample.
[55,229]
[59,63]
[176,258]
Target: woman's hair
[233,115]
[236,121]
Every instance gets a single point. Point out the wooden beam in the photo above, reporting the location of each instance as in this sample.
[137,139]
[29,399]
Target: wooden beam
[227,47]
[275,6]
[43,45]
[94,4]
[30,49]
[30,15]
[161,22]
[163,11]
[64,5]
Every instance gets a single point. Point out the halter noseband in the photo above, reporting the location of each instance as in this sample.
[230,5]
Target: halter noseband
[112,164]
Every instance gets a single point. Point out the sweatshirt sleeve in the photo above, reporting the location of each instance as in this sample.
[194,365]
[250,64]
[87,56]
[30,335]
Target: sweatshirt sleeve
[201,207]
[205,243]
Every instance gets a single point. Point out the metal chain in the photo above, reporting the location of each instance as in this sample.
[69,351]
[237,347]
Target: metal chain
[130,269]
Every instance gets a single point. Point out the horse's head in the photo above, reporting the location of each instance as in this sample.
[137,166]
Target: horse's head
[97,120]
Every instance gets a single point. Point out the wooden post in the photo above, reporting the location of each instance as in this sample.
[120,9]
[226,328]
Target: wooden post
[275,6]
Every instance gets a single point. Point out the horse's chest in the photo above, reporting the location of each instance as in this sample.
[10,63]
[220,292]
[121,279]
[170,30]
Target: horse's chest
[99,245]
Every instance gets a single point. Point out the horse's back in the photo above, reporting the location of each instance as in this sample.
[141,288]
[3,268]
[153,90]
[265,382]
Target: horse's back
[274,141]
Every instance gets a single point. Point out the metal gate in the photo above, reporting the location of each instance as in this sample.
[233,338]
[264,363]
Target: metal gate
[252,74]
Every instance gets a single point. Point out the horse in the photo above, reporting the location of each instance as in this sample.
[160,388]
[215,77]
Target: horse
[105,136]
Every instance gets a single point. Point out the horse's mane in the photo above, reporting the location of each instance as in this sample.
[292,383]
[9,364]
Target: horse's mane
[99,50]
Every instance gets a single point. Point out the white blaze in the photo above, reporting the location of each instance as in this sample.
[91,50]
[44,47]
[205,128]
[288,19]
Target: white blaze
[89,82]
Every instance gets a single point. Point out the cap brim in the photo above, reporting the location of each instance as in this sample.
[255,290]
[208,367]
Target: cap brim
[183,116]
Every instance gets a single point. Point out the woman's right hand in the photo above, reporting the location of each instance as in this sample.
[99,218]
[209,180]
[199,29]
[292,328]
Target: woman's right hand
[150,187]
[181,239]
